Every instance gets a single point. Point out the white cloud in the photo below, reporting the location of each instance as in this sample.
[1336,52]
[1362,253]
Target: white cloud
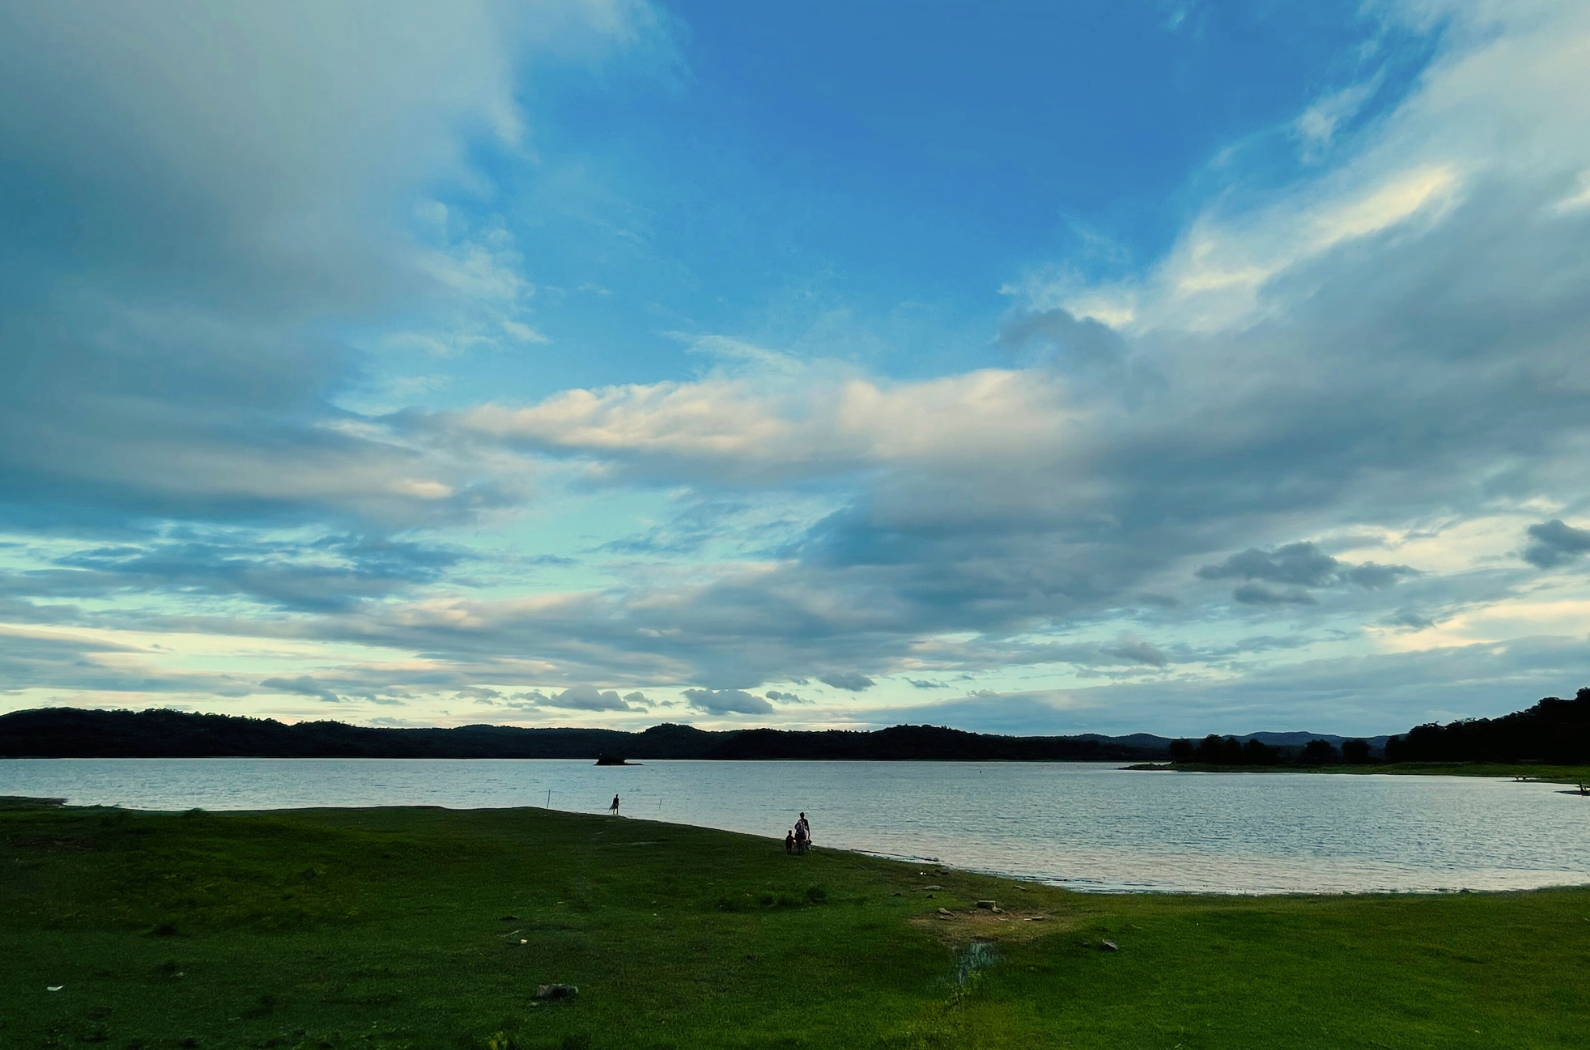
[1388,352]
[1317,126]
[227,178]
[1504,103]
[813,422]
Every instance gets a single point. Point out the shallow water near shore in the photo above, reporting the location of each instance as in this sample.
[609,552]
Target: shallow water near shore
[1085,826]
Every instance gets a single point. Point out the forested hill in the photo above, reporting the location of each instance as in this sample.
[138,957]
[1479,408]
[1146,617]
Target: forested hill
[1554,730]
[64,732]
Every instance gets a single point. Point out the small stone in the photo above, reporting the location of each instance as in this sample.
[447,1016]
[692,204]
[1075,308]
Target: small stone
[945,912]
[1035,918]
[932,887]
[1109,946]
[556,991]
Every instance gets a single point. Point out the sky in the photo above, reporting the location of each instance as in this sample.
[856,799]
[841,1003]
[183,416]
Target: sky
[1116,366]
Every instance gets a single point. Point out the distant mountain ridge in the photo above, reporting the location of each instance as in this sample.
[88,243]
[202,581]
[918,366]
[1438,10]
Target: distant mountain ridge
[65,732]
[1553,730]
[1376,743]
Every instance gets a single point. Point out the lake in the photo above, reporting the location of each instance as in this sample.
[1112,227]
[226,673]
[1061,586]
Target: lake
[1086,826]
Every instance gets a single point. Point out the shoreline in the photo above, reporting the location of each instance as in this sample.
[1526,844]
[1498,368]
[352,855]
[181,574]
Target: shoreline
[1073,885]
[1529,772]
[407,927]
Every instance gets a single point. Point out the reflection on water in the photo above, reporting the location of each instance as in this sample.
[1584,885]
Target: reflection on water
[1081,825]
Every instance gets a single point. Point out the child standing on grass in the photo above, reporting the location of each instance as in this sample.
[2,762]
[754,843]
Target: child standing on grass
[614,806]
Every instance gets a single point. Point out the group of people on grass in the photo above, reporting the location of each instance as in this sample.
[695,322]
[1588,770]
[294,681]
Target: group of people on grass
[796,842]
[799,838]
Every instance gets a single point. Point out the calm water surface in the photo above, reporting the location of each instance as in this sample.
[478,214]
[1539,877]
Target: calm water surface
[1082,825]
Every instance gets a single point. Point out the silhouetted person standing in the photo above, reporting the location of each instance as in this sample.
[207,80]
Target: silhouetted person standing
[614,806]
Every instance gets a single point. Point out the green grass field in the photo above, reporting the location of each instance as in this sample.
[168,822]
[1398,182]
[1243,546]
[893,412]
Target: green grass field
[433,928]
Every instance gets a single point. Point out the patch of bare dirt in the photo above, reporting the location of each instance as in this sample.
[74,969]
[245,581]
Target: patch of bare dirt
[961,926]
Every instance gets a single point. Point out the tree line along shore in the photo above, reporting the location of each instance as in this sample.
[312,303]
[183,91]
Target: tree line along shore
[1554,731]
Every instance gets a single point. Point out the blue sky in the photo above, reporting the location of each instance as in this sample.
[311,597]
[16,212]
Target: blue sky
[1179,367]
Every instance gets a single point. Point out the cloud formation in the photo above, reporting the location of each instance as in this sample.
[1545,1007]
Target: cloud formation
[1296,566]
[588,698]
[1381,349]
[1551,543]
[727,702]
[849,681]
[231,175]
[303,685]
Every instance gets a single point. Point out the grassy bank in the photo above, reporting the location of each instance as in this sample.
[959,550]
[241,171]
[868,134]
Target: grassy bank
[432,928]
[1498,770]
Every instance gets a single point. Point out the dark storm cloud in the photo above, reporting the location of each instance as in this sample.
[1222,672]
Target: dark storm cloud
[1551,543]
